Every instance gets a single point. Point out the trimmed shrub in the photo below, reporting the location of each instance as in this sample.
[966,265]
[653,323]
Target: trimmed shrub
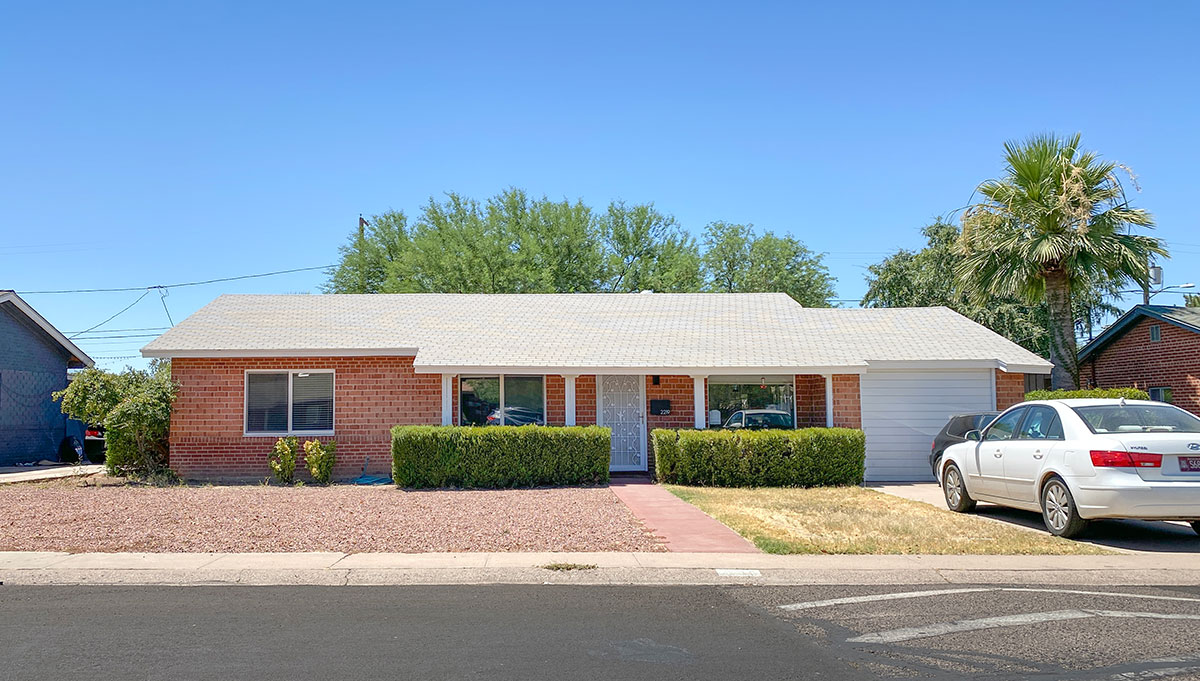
[499,456]
[1111,393]
[319,458]
[808,457]
[283,459]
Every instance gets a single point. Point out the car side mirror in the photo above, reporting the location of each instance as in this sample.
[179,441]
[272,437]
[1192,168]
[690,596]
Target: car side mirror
[734,425]
[973,435]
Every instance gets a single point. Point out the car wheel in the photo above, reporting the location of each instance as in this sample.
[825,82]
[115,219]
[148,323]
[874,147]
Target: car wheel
[955,489]
[1058,510]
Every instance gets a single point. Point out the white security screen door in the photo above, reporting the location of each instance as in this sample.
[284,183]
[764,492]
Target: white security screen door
[622,408]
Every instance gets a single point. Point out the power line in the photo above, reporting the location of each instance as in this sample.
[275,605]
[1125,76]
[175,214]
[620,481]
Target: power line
[186,283]
[123,310]
[90,339]
[141,328]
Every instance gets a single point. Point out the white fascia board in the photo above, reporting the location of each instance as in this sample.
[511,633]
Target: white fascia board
[933,364]
[622,371]
[307,352]
[1027,368]
[32,314]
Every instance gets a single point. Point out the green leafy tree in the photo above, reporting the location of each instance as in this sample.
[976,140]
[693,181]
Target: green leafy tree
[134,407]
[737,260]
[925,278]
[1058,218]
[367,262]
[1191,300]
[646,250]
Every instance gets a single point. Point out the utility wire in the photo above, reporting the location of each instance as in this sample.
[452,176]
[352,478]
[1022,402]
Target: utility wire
[186,283]
[123,310]
[141,328]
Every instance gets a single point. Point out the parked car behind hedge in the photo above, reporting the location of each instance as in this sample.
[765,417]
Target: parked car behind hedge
[499,456]
[808,457]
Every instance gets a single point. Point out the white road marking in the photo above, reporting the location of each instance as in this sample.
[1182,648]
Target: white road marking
[1160,673]
[881,597]
[939,629]
[730,572]
[943,592]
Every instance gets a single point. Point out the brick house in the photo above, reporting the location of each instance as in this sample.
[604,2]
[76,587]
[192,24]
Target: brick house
[1152,347]
[34,358]
[251,368]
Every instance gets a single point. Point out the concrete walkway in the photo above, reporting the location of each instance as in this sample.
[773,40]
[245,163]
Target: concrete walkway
[338,569]
[682,527]
[10,474]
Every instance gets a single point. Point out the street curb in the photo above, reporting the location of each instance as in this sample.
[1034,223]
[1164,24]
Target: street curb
[366,569]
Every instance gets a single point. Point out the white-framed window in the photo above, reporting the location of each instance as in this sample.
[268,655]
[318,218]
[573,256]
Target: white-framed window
[502,400]
[1155,333]
[1161,394]
[772,399]
[288,402]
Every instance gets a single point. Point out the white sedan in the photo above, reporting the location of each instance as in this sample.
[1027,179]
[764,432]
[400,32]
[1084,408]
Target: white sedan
[1079,460]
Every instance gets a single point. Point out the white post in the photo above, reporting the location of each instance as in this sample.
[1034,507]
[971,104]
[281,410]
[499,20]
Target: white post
[570,400]
[698,401]
[447,399]
[828,400]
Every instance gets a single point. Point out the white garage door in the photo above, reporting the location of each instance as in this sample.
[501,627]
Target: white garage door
[903,410]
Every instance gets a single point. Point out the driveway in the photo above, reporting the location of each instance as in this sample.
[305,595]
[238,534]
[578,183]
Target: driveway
[1129,535]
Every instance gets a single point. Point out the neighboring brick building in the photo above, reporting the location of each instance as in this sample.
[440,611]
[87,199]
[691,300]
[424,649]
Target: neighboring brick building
[349,367]
[1152,347]
[34,358]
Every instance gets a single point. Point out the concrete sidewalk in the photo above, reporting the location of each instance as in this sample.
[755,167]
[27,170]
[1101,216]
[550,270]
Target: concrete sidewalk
[337,569]
[11,474]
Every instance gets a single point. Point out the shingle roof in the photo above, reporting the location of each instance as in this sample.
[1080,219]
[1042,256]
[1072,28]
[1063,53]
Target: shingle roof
[1183,317]
[585,331]
[76,358]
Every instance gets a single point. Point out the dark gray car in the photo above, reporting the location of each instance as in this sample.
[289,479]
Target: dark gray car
[955,431]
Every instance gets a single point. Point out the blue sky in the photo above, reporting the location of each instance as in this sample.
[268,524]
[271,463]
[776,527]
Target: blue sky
[166,143]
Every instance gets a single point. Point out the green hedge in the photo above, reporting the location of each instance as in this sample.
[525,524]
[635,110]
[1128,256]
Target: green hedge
[808,457]
[499,456]
[1111,393]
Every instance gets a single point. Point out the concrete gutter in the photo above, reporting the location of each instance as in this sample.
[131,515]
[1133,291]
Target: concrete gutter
[338,569]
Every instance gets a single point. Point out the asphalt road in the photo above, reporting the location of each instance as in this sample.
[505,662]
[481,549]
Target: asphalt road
[578,632]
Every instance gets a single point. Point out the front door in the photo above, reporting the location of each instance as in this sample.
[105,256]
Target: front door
[622,408]
[989,455]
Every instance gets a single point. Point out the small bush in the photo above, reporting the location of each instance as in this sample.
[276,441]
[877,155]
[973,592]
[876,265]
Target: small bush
[807,457]
[1111,393]
[283,459]
[499,456]
[319,458]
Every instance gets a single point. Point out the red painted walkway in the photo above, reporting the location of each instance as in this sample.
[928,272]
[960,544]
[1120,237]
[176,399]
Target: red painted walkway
[683,527]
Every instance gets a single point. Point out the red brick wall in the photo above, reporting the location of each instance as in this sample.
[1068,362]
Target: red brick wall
[810,401]
[1134,361]
[847,405]
[556,401]
[1010,389]
[678,389]
[371,394]
[585,400]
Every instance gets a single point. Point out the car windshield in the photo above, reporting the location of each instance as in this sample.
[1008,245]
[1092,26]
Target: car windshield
[1138,418]
[769,420]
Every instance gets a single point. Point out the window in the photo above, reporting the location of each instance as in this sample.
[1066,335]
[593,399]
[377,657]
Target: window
[1155,333]
[736,420]
[1161,395]
[777,393]
[1003,427]
[502,400]
[283,402]
[1138,418]
[1041,423]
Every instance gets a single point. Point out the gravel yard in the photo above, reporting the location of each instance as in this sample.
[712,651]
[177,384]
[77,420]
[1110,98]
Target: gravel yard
[66,516]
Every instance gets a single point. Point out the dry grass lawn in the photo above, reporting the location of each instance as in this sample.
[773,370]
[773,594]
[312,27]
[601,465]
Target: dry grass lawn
[863,521]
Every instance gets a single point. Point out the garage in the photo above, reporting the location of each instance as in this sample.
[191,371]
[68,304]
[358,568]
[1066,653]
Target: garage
[903,410]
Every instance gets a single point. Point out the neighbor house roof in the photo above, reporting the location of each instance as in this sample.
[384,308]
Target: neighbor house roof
[1183,317]
[589,333]
[11,302]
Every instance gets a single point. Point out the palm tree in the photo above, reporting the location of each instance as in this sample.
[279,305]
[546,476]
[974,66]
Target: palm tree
[1057,219]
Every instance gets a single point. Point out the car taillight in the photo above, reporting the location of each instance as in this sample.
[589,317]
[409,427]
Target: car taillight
[1103,458]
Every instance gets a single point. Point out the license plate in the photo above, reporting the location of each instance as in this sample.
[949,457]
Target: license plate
[1189,464]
